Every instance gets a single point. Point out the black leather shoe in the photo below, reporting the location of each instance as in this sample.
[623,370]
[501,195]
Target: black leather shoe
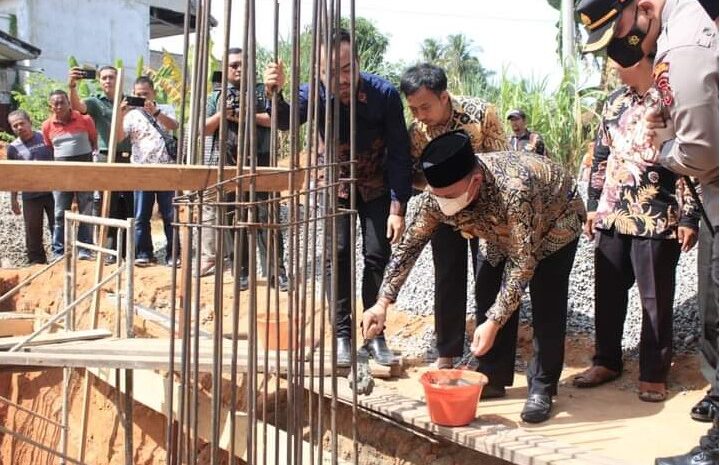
[537,408]
[282,282]
[378,350]
[705,410]
[697,456]
[490,391]
[343,352]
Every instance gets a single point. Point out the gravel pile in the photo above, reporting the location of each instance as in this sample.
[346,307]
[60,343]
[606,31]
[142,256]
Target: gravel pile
[12,236]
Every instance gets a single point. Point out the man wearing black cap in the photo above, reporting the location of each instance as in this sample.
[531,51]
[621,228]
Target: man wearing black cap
[684,132]
[436,112]
[528,210]
[522,138]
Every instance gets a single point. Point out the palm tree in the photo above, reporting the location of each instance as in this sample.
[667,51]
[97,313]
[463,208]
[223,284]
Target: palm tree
[432,51]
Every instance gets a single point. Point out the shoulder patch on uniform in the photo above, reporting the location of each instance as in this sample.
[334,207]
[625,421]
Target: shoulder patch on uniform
[662,82]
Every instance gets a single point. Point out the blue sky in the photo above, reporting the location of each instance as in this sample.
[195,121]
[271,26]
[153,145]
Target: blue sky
[516,35]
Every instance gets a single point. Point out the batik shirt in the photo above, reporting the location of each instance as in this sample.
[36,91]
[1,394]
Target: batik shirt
[474,116]
[636,197]
[527,209]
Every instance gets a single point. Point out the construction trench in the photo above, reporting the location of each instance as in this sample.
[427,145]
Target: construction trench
[125,365]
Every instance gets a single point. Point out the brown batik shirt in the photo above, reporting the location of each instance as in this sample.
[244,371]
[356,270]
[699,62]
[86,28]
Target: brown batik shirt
[527,209]
[474,116]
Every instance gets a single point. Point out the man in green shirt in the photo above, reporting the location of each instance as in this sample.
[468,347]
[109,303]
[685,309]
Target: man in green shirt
[100,108]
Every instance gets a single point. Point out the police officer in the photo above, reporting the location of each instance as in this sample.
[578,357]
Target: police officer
[685,132]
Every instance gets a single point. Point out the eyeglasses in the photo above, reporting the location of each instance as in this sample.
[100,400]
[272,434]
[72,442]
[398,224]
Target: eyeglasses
[235,65]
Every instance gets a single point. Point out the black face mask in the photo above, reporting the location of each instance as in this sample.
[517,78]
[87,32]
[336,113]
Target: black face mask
[627,51]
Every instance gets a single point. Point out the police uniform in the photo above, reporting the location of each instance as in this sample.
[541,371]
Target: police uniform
[686,74]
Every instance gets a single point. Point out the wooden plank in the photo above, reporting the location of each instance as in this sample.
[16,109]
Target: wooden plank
[146,347]
[16,316]
[79,176]
[153,354]
[22,327]
[515,445]
[16,323]
[50,338]
[153,395]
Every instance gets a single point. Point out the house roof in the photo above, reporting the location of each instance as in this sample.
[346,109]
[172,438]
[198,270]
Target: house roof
[13,49]
[167,18]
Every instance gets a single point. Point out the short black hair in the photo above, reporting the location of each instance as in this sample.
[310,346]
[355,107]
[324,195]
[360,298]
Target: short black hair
[105,68]
[59,92]
[342,35]
[145,80]
[426,75]
[234,51]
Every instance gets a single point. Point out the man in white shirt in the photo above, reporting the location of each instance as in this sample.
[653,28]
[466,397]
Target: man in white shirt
[149,127]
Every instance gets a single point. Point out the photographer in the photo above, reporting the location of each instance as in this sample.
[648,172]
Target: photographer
[215,111]
[146,123]
[100,108]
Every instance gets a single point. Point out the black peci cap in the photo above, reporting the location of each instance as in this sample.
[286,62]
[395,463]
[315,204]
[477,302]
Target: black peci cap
[447,159]
[599,18]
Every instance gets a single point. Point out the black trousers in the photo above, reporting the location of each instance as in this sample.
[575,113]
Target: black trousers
[548,296]
[33,210]
[373,217]
[620,260]
[708,304]
[450,258]
[122,207]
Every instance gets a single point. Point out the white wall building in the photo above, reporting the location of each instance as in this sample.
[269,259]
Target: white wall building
[95,32]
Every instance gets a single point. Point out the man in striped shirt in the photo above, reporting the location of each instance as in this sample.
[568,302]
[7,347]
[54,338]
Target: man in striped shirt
[73,138]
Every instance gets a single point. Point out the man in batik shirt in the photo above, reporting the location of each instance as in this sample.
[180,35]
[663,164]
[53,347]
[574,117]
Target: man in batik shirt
[641,215]
[527,209]
[437,112]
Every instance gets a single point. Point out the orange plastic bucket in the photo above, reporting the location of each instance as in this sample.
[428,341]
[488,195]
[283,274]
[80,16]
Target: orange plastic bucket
[452,395]
[270,324]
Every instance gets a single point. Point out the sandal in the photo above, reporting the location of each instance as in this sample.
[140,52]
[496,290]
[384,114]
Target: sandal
[595,376]
[652,392]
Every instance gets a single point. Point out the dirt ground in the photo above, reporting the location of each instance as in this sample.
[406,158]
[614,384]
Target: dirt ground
[609,420]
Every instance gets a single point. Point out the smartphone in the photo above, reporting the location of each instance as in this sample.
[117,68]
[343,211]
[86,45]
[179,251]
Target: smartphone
[217,77]
[135,101]
[89,73]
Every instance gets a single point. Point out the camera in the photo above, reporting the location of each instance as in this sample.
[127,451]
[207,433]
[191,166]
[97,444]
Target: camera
[135,101]
[89,73]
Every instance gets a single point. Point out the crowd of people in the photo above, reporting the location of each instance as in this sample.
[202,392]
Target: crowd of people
[652,195]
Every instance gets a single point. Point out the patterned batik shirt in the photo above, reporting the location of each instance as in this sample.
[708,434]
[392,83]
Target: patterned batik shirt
[527,209]
[636,197]
[476,117]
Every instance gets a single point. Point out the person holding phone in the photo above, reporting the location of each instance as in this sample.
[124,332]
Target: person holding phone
[146,123]
[100,108]
[216,110]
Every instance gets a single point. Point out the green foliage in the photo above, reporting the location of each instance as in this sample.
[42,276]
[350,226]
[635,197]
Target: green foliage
[6,137]
[457,55]
[35,101]
[566,118]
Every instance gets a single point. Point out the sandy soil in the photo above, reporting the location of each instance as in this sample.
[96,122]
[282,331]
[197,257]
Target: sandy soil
[609,420]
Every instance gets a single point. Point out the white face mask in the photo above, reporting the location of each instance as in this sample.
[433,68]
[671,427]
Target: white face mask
[449,207]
